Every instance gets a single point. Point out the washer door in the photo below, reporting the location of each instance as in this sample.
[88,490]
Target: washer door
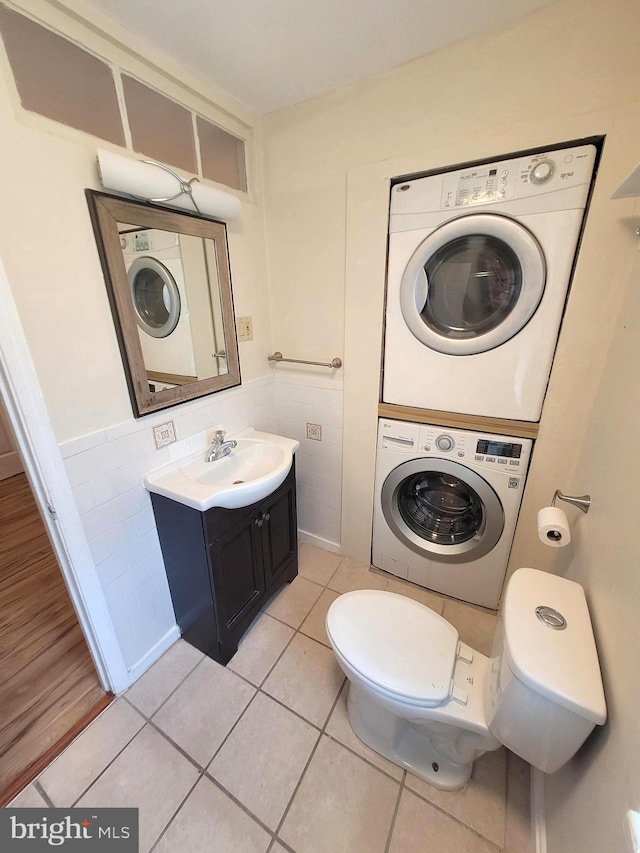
[472,284]
[155,296]
[442,510]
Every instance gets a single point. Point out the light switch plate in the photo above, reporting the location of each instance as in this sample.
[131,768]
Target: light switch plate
[245,328]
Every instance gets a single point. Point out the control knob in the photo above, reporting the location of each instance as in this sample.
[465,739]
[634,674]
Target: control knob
[542,172]
[445,442]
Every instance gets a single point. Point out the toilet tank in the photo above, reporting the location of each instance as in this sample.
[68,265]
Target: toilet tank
[544,694]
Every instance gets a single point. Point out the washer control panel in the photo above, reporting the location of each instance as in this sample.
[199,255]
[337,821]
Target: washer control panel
[482,450]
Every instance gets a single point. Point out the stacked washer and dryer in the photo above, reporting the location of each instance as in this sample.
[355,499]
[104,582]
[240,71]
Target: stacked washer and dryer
[479,267]
[153,260]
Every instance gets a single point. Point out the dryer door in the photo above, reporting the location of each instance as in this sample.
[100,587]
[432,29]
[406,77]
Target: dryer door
[155,296]
[472,284]
[442,509]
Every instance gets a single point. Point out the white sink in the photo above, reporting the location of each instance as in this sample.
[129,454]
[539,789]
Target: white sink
[253,469]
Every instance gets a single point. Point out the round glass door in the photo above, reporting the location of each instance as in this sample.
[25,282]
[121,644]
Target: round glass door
[472,284]
[155,296]
[442,509]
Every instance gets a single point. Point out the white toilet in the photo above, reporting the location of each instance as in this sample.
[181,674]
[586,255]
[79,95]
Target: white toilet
[427,702]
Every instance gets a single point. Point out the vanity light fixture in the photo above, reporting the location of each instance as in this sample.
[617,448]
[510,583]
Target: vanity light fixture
[149,180]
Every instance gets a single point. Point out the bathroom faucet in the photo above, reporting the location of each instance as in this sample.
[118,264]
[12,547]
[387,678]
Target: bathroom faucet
[219,447]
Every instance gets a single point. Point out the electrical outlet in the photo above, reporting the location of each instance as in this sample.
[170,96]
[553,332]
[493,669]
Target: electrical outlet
[314,432]
[245,328]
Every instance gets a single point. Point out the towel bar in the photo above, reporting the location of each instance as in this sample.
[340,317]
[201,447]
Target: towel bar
[277,356]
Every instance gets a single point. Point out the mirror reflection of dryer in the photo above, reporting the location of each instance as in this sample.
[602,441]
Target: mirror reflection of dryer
[179,322]
[446,506]
[480,261]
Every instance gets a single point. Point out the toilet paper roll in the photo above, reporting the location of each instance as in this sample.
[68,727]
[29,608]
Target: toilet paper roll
[553,527]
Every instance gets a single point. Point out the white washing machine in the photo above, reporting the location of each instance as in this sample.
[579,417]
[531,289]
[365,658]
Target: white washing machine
[153,261]
[480,261]
[446,506]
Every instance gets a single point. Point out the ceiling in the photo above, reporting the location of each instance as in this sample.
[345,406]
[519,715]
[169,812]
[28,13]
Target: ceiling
[269,54]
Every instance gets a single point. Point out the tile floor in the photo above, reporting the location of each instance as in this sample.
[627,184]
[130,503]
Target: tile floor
[259,756]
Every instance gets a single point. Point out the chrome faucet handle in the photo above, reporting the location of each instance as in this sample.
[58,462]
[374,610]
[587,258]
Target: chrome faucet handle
[219,435]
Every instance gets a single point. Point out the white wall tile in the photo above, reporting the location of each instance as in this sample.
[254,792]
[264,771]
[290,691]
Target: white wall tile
[148,591]
[106,487]
[99,548]
[113,454]
[82,444]
[140,443]
[133,578]
[301,399]
[83,495]
[331,469]
[121,535]
[124,610]
[113,593]
[127,505]
[310,464]
[132,473]
[136,551]
[83,467]
[144,521]
[98,521]
[111,568]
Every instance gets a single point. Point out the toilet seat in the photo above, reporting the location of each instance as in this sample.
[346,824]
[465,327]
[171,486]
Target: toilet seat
[399,647]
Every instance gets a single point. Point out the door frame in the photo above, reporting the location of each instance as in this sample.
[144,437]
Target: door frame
[36,441]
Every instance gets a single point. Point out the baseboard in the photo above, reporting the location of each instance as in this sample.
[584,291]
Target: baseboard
[318,541]
[140,667]
[538,819]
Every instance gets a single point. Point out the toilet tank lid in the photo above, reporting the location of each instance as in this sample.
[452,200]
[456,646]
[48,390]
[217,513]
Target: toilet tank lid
[560,663]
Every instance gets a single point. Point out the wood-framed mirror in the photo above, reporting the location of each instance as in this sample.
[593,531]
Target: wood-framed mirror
[169,284]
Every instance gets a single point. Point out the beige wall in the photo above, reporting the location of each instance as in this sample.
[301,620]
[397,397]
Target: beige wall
[48,247]
[568,71]
[587,800]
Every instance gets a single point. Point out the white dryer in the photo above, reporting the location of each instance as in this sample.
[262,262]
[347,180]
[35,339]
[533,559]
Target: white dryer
[446,506]
[153,260]
[480,261]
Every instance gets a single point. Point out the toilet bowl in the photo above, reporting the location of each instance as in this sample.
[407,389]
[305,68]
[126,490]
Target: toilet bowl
[430,703]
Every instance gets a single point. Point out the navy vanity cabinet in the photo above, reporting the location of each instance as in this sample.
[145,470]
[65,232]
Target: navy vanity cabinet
[224,564]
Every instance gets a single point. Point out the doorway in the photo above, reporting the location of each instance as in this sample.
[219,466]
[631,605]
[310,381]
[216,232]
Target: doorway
[49,687]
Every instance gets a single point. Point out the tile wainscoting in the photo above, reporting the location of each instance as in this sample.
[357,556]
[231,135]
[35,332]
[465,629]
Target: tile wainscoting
[105,469]
[303,399]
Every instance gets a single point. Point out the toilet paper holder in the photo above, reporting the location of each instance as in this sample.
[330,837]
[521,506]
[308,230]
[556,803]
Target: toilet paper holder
[583,502]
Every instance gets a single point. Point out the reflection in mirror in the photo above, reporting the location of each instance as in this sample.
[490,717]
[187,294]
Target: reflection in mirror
[169,283]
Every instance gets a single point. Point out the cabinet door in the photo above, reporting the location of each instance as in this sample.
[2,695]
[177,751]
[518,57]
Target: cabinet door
[238,576]
[279,534]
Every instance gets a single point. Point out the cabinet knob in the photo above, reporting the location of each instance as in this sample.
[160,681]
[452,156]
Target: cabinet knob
[258,521]
[266,516]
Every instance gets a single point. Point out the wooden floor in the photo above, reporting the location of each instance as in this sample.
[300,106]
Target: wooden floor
[48,683]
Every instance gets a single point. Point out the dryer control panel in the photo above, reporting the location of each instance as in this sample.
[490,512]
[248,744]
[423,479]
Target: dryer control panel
[498,181]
